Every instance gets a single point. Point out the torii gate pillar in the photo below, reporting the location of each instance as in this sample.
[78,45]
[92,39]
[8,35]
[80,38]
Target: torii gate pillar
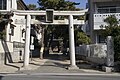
[27,41]
[72,44]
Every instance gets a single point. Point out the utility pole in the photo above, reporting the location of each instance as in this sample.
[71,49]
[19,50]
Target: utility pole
[72,44]
[27,41]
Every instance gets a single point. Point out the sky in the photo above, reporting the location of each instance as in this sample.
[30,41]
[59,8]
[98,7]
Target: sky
[82,2]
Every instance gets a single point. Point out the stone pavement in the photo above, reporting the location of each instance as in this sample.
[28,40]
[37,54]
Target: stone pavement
[17,66]
[55,64]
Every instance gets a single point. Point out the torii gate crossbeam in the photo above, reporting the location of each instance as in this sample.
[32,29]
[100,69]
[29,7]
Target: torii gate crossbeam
[59,13]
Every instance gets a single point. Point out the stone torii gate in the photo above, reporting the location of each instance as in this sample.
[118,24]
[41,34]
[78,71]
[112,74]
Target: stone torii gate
[71,31]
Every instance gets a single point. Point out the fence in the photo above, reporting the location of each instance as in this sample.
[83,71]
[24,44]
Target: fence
[96,53]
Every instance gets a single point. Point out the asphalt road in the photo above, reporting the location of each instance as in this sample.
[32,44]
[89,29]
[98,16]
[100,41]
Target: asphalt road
[59,77]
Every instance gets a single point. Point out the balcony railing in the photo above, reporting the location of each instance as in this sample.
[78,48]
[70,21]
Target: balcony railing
[99,20]
[108,10]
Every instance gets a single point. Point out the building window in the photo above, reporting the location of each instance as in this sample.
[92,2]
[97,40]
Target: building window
[3,4]
[101,39]
[107,9]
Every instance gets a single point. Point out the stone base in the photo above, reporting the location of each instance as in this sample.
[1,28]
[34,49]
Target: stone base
[71,67]
[24,68]
[107,69]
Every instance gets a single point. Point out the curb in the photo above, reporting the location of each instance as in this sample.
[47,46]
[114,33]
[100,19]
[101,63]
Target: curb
[74,74]
[62,74]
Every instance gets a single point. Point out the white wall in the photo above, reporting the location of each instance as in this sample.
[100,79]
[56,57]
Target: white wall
[12,52]
[19,22]
[6,45]
[99,19]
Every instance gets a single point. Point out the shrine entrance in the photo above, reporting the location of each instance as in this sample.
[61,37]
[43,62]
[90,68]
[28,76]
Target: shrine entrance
[70,21]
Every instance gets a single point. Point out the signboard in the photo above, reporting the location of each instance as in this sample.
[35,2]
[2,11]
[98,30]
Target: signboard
[31,47]
[49,15]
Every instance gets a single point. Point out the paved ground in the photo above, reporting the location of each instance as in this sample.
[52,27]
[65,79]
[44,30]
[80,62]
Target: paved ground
[56,64]
[17,66]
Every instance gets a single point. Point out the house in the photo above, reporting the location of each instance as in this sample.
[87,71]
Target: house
[13,26]
[14,31]
[12,4]
[98,11]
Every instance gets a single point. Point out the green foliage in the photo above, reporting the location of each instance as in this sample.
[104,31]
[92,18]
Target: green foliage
[117,47]
[2,28]
[57,5]
[113,29]
[32,6]
[111,21]
[82,38]
[61,32]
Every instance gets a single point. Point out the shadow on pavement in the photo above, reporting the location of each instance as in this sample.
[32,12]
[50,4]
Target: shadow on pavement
[54,60]
[83,64]
[57,57]
[12,65]
[59,61]
[7,52]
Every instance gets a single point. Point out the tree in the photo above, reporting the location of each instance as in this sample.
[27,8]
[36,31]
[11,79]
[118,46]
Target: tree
[113,29]
[4,20]
[81,38]
[59,32]
[2,27]
[57,5]
[32,6]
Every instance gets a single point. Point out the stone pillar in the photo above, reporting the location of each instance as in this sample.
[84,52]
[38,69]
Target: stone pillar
[110,55]
[110,52]
[71,43]
[27,42]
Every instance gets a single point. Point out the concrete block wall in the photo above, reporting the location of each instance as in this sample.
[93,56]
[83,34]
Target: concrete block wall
[6,48]
[8,53]
[18,51]
[95,53]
